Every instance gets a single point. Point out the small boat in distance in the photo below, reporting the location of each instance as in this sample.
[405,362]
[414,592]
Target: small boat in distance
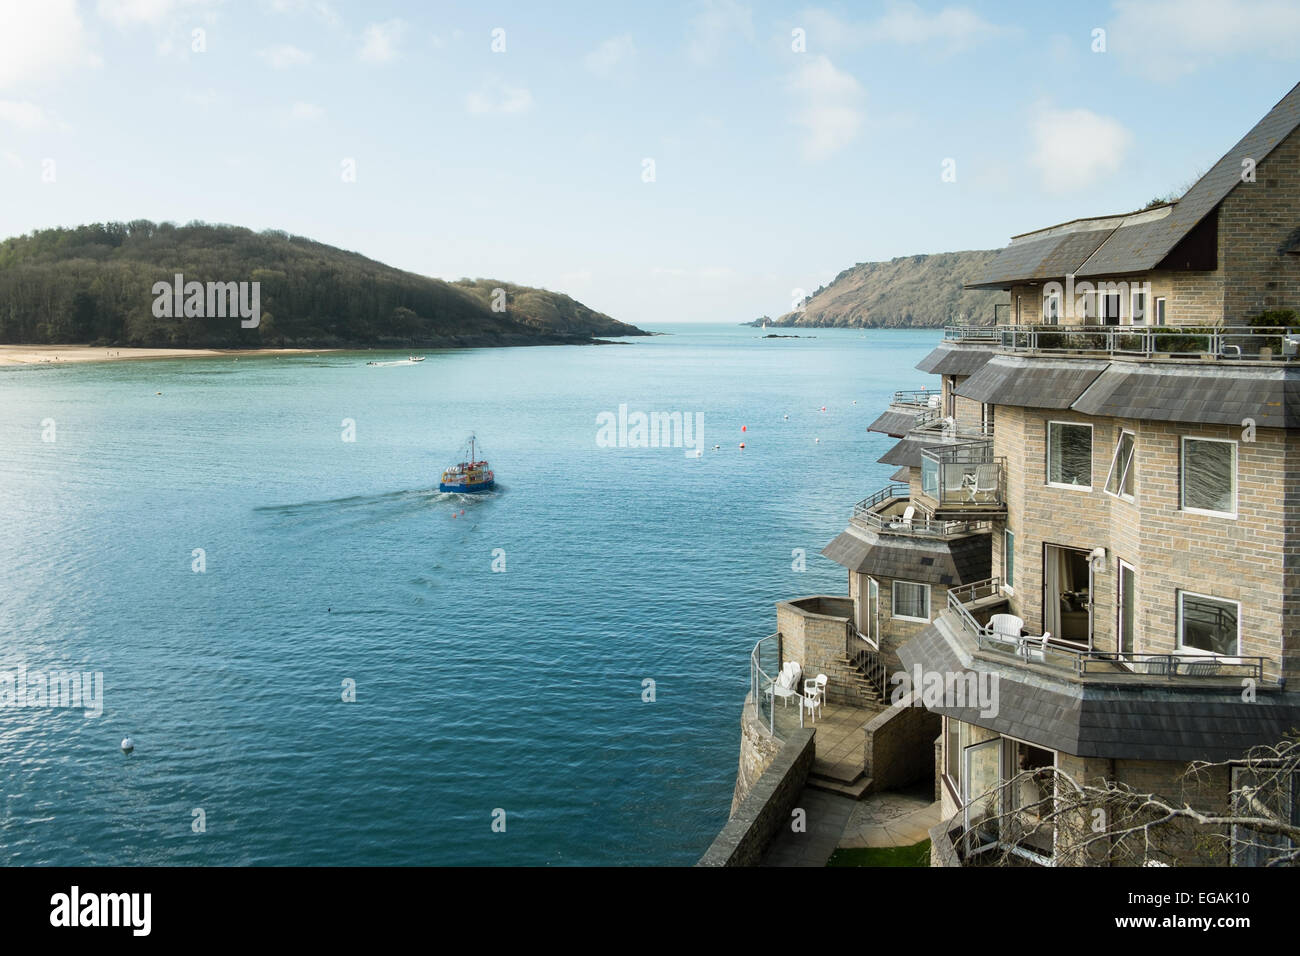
[469,476]
[417,358]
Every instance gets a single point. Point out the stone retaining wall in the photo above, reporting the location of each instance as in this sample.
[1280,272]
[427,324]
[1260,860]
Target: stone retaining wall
[766,807]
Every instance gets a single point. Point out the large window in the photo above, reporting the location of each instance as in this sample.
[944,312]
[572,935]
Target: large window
[1208,624]
[1069,455]
[1210,476]
[911,601]
[1160,310]
[1123,471]
[1138,310]
[1052,308]
[1109,308]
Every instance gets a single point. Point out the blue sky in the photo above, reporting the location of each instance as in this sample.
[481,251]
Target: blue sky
[774,168]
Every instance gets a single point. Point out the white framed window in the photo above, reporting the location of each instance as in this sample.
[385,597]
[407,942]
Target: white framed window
[1208,625]
[1160,310]
[1069,455]
[911,601]
[1052,308]
[1123,467]
[1138,308]
[1009,561]
[1209,476]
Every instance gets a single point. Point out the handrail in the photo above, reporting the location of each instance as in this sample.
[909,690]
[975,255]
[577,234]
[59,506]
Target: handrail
[1234,342]
[760,683]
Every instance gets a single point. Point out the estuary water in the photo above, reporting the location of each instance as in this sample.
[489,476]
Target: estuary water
[202,534]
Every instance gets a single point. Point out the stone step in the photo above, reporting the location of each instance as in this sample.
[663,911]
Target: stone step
[855,791]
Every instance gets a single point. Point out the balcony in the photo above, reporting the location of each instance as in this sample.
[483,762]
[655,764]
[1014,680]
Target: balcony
[964,477]
[1239,342]
[1070,661]
[918,398]
[885,512]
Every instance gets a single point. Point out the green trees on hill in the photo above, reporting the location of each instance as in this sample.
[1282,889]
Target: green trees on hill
[94,284]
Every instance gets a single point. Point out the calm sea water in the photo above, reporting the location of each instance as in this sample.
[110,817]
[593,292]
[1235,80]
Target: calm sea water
[330,561]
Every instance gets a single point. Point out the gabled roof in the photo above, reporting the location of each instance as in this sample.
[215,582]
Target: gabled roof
[1138,241]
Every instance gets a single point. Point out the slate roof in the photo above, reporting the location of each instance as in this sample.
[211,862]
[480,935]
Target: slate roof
[1039,256]
[1141,240]
[950,359]
[1142,247]
[907,452]
[1211,396]
[1031,382]
[903,474]
[893,423]
[947,563]
[1147,391]
[1137,722]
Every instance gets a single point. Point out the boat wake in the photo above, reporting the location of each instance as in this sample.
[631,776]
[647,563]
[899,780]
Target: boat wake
[389,505]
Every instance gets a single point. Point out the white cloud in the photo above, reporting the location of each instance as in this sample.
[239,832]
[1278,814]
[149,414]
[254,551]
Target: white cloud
[320,8]
[903,23]
[1073,149]
[12,158]
[497,97]
[40,40]
[830,107]
[26,116]
[717,22]
[307,111]
[1190,34]
[379,42]
[610,54]
[283,56]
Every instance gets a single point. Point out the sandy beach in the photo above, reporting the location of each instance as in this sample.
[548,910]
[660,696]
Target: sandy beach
[69,354]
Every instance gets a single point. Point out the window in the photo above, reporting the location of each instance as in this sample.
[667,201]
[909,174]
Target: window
[1052,308]
[986,418]
[1122,470]
[1138,313]
[1208,624]
[1069,455]
[911,601]
[1109,308]
[954,732]
[1210,476]
[1089,302]
[1008,559]
[1160,310]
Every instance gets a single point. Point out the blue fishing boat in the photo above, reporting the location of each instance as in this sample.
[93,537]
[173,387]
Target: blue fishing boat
[471,475]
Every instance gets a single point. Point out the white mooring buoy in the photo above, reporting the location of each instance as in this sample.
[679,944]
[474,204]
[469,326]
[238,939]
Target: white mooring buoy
[127,745]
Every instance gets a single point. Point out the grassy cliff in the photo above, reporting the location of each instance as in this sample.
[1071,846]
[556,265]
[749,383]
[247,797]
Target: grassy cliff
[908,292]
[94,284]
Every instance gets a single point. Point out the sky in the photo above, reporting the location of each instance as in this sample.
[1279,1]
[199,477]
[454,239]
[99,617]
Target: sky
[709,160]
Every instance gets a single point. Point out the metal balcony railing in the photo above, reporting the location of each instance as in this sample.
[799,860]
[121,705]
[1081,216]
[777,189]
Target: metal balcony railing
[1274,343]
[1080,662]
[964,474]
[869,512]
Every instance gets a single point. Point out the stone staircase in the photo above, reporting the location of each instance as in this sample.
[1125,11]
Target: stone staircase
[849,682]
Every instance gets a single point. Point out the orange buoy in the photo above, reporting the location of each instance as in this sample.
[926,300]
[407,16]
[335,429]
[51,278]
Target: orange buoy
[744,428]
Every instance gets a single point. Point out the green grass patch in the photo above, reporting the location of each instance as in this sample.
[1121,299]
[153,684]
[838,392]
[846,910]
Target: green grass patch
[918,854]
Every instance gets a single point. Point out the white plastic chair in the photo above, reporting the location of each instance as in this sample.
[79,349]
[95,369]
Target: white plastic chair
[986,480]
[905,522]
